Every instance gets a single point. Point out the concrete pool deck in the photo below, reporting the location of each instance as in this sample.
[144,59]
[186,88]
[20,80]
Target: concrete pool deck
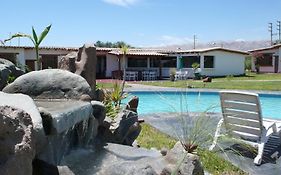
[141,87]
[235,153]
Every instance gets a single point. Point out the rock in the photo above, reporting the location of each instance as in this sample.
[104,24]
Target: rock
[207,79]
[17,141]
[128,129]
[164,151]
[86,64]
[50,84]
[98,111]
[99,95]
[82,63]
[67,62]
[115,159]
[7,68]
[189,165]
[64,170]
[133,104]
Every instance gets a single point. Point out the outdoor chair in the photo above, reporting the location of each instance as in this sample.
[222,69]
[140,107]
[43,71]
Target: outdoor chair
[242,119]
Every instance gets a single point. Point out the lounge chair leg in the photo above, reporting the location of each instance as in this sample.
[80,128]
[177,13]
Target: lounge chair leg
[258,158]
[217,134]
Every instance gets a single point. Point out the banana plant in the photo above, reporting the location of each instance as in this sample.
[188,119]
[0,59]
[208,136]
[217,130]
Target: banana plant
[35,40]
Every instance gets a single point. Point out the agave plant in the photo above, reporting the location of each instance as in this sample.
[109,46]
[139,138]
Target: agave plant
[35,40]
[112,100]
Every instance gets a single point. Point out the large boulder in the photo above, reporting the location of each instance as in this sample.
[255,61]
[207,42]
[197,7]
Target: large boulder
[8,69]
[82,63]
[115,159]
[17,144]
[50,84]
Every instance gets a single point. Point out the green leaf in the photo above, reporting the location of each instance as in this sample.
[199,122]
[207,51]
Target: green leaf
[20,35]
[34,35]
[44,34]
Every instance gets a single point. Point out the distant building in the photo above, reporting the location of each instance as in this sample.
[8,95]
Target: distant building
[215,61]
[267,59]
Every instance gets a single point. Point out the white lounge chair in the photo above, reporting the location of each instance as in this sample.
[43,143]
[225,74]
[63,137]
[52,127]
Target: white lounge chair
[242,118]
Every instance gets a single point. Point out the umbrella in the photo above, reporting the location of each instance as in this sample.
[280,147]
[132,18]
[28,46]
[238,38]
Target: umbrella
[181,64]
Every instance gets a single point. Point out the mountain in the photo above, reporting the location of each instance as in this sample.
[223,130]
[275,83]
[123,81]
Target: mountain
[236,45]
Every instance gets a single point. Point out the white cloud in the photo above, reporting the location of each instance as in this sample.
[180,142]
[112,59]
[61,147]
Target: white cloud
[123,3]
[174,40]
[240,40]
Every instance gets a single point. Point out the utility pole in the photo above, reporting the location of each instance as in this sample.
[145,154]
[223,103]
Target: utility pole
[270,30]
[194,41]
[279,30]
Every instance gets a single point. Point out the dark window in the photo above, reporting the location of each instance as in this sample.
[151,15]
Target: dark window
[266,60]
[49,61]
[189,60]
[137,62]
[154,62]
[169,62]
[209,62]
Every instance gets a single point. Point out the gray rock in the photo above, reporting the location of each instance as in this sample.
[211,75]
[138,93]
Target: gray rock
[50,84]
[133,104]
[117,159]
[7,68]
[17,141]
[82,63]
[67,62]
[86,64]
[98,111]
[128,129]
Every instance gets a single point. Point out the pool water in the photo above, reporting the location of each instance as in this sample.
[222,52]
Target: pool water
[156,102]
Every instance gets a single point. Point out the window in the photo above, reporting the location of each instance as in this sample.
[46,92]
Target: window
[169,62]
[154,62]
[209,62]
[166,62]
[137,62]
[266,60]
[189,60]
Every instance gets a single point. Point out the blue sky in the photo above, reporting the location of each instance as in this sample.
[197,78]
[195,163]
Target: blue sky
[140,22]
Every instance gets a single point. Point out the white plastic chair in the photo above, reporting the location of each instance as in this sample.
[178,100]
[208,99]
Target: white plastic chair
[242,119]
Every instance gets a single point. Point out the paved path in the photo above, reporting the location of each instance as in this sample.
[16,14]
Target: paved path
[142,87]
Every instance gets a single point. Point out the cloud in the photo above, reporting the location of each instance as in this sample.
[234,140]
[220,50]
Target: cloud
[124,3]
[174,40]
[240,40]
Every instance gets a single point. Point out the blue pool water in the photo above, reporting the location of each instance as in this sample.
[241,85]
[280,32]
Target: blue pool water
[155,102]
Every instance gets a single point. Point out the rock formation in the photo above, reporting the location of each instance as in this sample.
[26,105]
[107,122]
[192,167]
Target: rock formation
[82,63]
[50,84]
[8,69]
[17,141]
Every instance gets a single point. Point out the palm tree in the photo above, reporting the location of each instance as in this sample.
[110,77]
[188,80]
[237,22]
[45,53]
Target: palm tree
[35,40]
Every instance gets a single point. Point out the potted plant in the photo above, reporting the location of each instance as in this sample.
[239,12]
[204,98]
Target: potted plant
[172,74]
[195,66]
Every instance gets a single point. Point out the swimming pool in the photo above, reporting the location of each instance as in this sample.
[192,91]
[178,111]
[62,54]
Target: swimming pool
[156,102]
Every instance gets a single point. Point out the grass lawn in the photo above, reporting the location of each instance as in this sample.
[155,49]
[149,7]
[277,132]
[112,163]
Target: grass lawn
[251,81]
[151,137]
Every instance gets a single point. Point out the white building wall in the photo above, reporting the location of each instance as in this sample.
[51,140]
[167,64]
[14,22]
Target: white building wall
[111,64]
[225,63]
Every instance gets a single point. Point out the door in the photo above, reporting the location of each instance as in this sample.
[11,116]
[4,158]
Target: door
[276,64]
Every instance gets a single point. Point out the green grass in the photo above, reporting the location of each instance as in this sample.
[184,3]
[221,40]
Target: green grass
[252,81]
[151,137]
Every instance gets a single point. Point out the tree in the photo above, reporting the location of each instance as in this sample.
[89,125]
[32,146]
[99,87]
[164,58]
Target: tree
[35,40]
[108,44]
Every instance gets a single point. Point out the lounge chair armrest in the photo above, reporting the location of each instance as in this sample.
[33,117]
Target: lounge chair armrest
[271,125]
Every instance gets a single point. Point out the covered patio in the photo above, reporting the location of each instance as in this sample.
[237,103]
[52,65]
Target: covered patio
[143,65]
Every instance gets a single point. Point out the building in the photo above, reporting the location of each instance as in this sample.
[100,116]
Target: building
[267,59]
[213,61]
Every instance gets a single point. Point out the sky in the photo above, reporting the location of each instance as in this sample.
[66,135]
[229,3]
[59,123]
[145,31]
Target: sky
[140,23]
